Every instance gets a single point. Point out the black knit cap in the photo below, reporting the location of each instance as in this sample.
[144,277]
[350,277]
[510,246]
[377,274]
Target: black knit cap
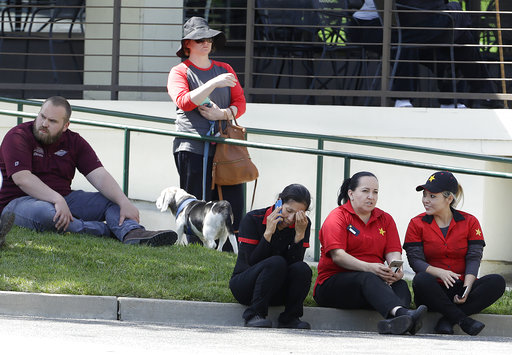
[197,28]
[439,182]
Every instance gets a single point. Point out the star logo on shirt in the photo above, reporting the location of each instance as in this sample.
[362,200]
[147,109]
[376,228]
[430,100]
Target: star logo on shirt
[382,231]
[478,232]
[431,178]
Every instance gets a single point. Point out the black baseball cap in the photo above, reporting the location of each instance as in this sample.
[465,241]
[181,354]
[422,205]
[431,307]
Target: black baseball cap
[439,182]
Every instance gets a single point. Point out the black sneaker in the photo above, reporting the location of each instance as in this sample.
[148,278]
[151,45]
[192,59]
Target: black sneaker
[151,238]
[417,318]
[471,326]
[396,325]
[258,322]
[443,326]
[295,323]
[6,222]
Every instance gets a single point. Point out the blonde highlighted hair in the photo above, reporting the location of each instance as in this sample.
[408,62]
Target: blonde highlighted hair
[457,198]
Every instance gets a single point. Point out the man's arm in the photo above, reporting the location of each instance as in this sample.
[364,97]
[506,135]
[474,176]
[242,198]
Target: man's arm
[34,187]
[101,179]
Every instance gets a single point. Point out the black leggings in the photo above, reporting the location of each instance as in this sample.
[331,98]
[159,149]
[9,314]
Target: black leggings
[273,282]
[357,289]
[437,298]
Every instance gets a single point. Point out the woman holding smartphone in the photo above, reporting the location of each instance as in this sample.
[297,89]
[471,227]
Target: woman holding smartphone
[357,238]
[204,91]
[444,247]
[270,269]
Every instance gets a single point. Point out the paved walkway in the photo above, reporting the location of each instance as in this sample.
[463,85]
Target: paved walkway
[190,313]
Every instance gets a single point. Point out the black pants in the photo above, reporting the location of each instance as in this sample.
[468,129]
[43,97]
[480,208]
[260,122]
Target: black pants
[438,298]
[190,168]
[360,32]
[356,290]
[468,58]
[272,282]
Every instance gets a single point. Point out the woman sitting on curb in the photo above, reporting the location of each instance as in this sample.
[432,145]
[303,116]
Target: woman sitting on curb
[356,239]
[444,247]
[270,269]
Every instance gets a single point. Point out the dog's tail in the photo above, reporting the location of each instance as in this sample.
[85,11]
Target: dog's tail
[162,202]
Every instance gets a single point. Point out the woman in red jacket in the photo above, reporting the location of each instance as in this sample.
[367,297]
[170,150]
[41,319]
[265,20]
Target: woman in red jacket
[444,247]
[356,239]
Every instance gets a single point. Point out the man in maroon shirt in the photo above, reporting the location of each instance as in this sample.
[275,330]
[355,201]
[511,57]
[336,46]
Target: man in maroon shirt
[38,161]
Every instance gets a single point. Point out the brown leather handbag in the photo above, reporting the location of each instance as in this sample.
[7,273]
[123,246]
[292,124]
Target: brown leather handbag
[232,164]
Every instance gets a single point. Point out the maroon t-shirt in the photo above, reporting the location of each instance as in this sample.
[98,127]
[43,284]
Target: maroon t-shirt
[54,164]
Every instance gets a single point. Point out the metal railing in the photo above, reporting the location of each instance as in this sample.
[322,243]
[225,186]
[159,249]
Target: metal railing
[118,56]
[319,152]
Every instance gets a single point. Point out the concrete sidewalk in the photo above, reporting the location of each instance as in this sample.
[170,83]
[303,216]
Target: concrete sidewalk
[204,313]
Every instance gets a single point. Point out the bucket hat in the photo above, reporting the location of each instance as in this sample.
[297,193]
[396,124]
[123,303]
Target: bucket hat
[197,28]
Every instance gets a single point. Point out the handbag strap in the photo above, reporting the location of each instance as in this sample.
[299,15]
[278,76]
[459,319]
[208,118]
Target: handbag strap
[219,192]
[228,123]
[205,156]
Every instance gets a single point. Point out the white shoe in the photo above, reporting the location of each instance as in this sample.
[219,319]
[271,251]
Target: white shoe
[459,105]
[403,103]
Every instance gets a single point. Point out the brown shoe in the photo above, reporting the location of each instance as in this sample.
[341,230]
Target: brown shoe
[6,222]
[151,238]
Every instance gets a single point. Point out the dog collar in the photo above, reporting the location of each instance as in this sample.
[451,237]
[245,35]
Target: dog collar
[183,205]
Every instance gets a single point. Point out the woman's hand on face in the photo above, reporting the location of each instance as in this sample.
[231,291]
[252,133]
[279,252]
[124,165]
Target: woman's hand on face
[301,223]
[224,80]
[273,220]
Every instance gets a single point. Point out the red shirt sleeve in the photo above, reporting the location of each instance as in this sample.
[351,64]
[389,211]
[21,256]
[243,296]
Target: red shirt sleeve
[414,232]
[333,234]
[237,93]
[86,160]
[178,88]
[475,231]
[18,156]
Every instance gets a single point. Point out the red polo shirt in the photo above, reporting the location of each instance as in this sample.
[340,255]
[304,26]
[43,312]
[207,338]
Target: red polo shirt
[370,242]
[54,164]
[446,253]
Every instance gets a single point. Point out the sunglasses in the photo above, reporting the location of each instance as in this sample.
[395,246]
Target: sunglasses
[208,40]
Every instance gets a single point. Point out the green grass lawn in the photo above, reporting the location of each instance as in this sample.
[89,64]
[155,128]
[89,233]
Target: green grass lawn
[87,265]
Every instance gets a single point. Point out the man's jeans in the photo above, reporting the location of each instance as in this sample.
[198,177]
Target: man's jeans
[92,213]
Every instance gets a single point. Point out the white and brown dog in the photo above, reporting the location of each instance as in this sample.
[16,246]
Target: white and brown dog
[208,221]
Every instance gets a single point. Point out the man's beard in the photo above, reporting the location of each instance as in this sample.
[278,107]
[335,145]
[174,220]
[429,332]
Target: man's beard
[46,138]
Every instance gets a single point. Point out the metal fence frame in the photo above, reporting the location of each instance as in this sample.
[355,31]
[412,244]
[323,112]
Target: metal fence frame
[319,152]
[382,93]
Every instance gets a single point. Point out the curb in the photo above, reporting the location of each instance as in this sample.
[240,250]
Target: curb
[172,312]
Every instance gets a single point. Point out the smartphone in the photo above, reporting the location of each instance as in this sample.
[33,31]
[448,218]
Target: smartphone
[207,102]
[464,292]
[395,265]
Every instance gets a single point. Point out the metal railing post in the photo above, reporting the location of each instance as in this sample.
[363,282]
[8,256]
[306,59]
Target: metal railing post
[126,163]
[116,45]
[318,204]
[249,45]
[20,109]
[346,169]
[386,51]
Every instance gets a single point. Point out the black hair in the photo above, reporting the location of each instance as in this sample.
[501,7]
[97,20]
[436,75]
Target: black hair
[351,184]
[297,193]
